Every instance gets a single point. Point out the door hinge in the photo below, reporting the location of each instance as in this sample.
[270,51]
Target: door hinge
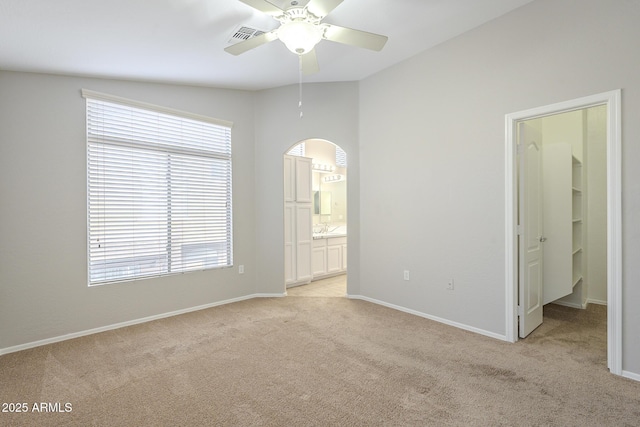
[519,230]
[520,312]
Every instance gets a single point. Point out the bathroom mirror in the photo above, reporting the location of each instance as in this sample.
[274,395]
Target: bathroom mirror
[322,202]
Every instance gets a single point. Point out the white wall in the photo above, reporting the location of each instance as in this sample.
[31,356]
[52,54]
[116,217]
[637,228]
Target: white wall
[565,127]
[438,120]
[43,250]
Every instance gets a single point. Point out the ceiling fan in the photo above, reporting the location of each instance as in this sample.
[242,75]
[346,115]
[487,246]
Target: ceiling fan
[301,29]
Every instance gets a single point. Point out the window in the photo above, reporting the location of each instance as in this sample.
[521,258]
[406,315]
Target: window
[297,150]
[159,190]
[341,157]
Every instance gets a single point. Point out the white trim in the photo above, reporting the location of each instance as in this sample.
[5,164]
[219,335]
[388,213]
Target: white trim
[129,323]
[511,224]
[571,304]
[274,295]
[596,301]
[614,215]
[631,375]
[430,317]
[86,93]
[614,231]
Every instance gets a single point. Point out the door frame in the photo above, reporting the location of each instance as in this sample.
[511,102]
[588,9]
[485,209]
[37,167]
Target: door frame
[612,100]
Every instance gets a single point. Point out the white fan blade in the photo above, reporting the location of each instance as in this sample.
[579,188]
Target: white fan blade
[354,37]
[264,6]
[253,42]
[310,63]
[321,8]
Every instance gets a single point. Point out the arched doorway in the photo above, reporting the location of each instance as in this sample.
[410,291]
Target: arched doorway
[315,215]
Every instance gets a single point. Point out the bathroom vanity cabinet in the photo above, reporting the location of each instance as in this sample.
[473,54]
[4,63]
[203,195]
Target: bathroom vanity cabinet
[329,256]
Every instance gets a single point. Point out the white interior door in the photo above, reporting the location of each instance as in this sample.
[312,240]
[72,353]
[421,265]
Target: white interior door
[557,185]
[531,275]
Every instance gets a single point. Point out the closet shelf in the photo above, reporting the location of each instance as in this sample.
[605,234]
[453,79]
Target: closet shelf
[577,280]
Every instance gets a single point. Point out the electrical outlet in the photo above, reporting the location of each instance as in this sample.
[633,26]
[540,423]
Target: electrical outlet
[241,269]
[406,275]
[450,285]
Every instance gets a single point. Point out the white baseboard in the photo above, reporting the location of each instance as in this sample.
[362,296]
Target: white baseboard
[280,295]
[430,317]
[631,375]
[581,306]
[571,304]
[79,334]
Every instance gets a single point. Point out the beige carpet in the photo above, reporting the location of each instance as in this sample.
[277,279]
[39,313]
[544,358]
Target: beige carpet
[321,361]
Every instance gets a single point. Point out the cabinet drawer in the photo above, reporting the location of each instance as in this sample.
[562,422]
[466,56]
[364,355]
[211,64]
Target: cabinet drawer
[319,243]
[336,241]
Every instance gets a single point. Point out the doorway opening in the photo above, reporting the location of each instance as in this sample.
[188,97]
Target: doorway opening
[525,234]
[315,215]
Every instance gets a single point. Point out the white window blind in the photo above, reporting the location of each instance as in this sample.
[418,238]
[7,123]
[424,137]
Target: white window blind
[341,157]
[159,191]
[297,150]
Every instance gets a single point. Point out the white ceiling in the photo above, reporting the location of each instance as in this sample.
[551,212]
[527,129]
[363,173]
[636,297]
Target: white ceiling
[182,41]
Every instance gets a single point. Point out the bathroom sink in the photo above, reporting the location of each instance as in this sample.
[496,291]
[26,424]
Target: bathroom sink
[329,231]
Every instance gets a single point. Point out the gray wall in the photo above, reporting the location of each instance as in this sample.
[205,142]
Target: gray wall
[437,122]
[43,250]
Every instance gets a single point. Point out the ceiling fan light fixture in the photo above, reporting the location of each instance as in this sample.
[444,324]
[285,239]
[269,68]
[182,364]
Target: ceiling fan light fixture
[300,37]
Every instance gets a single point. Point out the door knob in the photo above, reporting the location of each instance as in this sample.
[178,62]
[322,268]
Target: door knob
[542,239]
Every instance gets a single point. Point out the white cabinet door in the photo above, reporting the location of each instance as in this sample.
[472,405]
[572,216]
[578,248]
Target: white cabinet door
[289,245]
[298,216]
[289,178]
[334,259]
[297,179]
[344,257]
[319,259]
[303,180]
[304,240]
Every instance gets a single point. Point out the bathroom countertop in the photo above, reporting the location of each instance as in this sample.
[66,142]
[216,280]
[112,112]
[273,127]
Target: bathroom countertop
[328,235]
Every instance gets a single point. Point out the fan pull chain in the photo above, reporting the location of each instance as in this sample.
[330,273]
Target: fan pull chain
[300,85]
